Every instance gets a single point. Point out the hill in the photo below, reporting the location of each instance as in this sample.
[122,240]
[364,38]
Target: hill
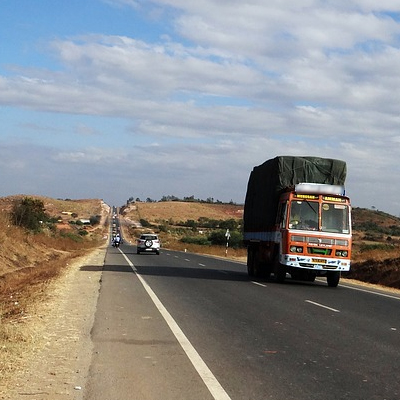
[177,211]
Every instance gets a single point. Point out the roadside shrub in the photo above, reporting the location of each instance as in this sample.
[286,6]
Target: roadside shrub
[145,223]
[219,238]
[200,240]
[29,213]
[95,219]
[231,224]
[376,246]
[372,236]
[72,236]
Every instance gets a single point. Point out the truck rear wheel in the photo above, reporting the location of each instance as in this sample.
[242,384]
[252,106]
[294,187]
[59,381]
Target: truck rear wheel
[250,261]
[333,278]
[279,270]
[253,262]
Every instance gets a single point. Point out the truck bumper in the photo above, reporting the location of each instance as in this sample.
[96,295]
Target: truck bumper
[315,263]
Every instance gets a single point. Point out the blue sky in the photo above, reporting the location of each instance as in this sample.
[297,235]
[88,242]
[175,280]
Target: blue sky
[115,99]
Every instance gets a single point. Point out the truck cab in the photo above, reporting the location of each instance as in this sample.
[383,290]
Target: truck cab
[315,230]
[312,236]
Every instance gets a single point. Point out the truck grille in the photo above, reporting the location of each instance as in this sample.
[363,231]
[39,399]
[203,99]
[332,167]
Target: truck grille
[319,251]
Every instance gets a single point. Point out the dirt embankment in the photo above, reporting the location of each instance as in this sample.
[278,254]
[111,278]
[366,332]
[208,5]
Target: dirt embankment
[46,351]
[29,261]
[47,300]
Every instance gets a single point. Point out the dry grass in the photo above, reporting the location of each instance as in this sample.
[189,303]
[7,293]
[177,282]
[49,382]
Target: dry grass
[217,251]
[176,211]
[28,264]
[84,208]
[20,290]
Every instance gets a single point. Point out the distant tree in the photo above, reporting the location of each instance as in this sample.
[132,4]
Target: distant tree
[189,198]
[145,223]
[95,219]
[231,224]
[170,198]
[191,224]
[29,213]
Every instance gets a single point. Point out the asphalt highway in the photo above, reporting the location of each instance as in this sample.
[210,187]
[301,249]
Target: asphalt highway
[185,326]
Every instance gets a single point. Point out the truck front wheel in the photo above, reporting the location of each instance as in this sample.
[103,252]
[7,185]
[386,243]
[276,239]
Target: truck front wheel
[333,278]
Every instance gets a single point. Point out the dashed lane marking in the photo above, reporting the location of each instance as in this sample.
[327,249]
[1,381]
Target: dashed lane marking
[321,305]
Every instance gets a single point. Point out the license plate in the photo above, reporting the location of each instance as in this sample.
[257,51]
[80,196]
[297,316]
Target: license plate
[319,260]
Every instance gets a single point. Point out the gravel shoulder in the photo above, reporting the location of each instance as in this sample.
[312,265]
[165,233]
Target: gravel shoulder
[57,357]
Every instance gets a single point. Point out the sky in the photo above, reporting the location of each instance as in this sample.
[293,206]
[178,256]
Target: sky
[120,99]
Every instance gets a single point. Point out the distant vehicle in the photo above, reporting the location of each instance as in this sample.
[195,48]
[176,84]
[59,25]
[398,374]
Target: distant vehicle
[117,241]
[148,243]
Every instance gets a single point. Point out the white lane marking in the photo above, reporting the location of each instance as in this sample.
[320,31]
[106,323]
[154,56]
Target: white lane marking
[215,388]
[321,305]
[202,265]
[370,291]
[258,283]
[186,259]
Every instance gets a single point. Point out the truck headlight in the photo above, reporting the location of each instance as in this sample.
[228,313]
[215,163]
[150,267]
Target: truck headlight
[341,253]
[296,249]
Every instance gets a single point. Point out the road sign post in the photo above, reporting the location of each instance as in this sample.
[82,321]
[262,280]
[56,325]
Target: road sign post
[227,235]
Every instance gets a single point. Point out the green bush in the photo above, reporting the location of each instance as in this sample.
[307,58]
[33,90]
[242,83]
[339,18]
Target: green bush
[29,213]
[145,223]
[218,238]
[201,240]
[95,219]
[72,236]
[376,246]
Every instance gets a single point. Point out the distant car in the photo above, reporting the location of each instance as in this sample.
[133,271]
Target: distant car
[148,243]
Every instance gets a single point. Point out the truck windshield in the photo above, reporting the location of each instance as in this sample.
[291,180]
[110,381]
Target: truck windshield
[304,215]
[335,218]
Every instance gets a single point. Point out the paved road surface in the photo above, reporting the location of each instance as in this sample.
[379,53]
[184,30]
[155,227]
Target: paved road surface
[182,326]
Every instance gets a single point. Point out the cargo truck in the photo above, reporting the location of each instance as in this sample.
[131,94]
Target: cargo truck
[297,219]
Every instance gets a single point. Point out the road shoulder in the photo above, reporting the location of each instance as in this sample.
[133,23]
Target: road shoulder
[56,366]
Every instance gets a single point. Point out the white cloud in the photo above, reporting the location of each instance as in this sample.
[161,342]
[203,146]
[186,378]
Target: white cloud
[227,85]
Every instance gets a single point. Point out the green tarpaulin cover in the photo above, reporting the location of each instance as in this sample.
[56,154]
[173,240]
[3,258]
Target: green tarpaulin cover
[268,180]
